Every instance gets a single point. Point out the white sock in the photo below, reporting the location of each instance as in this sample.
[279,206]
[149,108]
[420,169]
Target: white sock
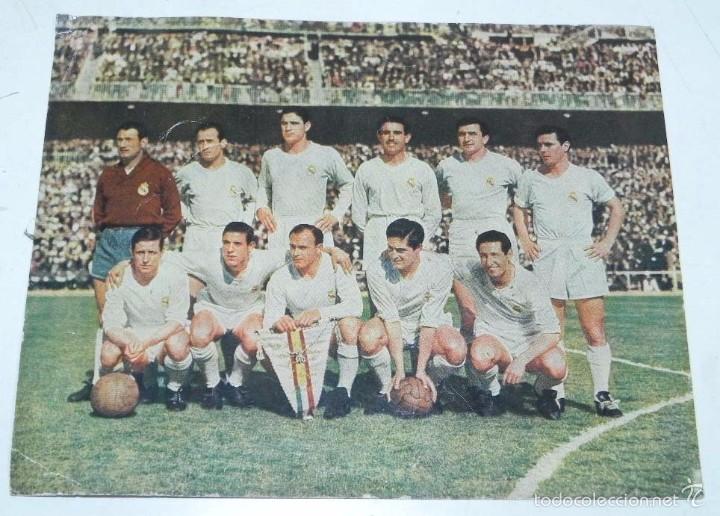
[348,363]
[242,365]
[439,368]
[97,373]
[207,360]
[380,363]
[487,381]
[599,358]
[177,372]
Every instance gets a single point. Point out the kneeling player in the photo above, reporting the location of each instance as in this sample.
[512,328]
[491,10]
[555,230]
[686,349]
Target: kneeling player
[410,288]
[314,293]
[516,329]
[230,304]
[143,318]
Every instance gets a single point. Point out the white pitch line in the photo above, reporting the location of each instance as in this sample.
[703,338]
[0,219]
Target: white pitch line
[637,364]
[53,473]
[550,462]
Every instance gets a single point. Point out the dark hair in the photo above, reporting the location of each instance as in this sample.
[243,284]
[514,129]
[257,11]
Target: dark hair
[317,234]
[494,236]
[301,112]
[210,124]
[147,234]
[133,124]
[561,133]
[392,119]
[405,228]
[471,120]
[241,227]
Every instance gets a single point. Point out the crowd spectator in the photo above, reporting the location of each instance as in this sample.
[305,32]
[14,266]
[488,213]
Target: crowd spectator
[460,62]
[202,57]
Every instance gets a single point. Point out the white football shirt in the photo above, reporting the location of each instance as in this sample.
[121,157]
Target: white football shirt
[295,185]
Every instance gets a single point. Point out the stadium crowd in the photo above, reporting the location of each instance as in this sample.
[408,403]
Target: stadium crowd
[640,174]
[457,59]
[202,57]
[458,62]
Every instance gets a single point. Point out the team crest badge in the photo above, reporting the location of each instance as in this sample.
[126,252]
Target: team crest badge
[412,182]
[143,189]
[165,301]
[311,169]
[427,296]
[490,181]
[234,191]
[331,295]
[573,197]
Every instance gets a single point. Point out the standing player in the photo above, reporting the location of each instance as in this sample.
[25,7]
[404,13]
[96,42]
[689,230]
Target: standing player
[143,319]
[293,183]
[137,191]
[516,330]
[391,186]
[410,288]
[214,191]
[560,197]
[313,292]
[480,183]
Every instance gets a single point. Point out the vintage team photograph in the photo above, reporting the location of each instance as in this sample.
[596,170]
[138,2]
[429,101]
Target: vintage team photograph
[301,259]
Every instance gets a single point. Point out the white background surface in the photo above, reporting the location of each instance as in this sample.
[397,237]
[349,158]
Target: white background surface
[688,38]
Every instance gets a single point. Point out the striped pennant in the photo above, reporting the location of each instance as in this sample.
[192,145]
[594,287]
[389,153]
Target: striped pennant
[299,359]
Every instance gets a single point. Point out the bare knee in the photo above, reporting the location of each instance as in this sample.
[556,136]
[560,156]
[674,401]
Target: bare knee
[201,330]
[372,337]
[552,364]
[453,346]
[177,346]
[482,354]
[245,333]
[595,333]
[109,355]
[349,329]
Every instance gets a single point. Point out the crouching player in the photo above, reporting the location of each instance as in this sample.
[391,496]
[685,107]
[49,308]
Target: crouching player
[315,292]
[515,330]
[410,288]
[143,319]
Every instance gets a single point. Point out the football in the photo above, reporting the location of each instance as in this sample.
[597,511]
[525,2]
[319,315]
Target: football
[411,398]
[115,395]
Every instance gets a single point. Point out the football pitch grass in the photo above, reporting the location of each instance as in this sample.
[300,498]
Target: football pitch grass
[60,448]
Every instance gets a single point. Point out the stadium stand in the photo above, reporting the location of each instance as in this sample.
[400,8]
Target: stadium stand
[400,63]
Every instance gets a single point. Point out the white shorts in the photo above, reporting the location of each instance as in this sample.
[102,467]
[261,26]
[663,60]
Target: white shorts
[567,271]
[228,318]
[280,239]
[464,233]
[411,331]
[374,239]
[153,352]
[515,344]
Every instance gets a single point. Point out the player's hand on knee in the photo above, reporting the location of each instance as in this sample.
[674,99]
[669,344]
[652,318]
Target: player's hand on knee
[285,324]
[307,318]
[326,223]
[425,379]
[115,275]
[266,218]
[514,372]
